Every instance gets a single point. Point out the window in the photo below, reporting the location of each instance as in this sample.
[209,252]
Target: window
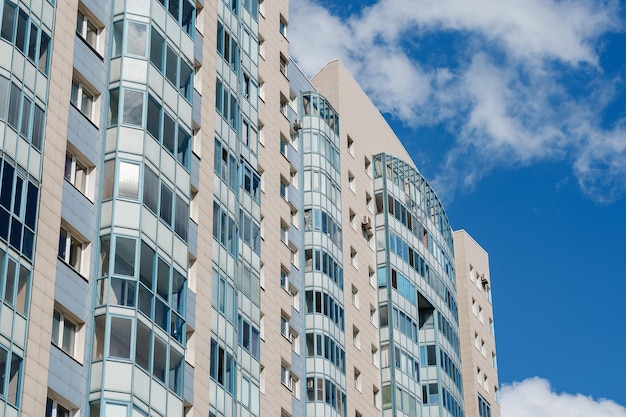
[295,258]
[474,307]
[54,409]
[484,409]
[88,29]
[375,358]
[262,379]
[284,103]
[284,187]
[354,259]
[373,315]
[368,167]
[284,278]
[356,337]
[355,297]
[261,133]
[249,337]
[261,47]
[376,395]
[357,380]
[351,146]
[283,65]
[77,172]
[261,96]
[481,317]
[369,202]
[352,216]
[284,326]
[283,145]
[295,298]
[21,31]
[286,377]
[223,368]
[284,232]
[64,333]
[83,99]
[282,26]
[71,248]
[294,217]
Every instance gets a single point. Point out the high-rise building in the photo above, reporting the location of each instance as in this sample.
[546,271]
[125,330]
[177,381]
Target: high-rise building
[476,326]
[189,226]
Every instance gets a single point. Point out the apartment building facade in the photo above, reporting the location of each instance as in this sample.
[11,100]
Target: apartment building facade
[476,326]
[189,226]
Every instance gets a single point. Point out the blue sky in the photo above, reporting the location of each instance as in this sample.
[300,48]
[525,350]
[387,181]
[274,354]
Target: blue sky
[515,110]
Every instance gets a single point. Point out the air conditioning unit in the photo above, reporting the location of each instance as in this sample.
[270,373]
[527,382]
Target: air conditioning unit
[366,222]
[297,125]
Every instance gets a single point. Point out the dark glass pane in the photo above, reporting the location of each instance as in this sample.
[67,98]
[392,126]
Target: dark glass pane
[44,46]
[156,49]
[14,106]
[166,204]
[38,127]
[125,256]
[184,141]
[22,30]
[143,342]
[114,103]
[146,268]
[8,21]
[16,234]
[32,42]
[4,224]
[27,105]
[28,243]
[187,17]
[154,117]
[171,65]
[169,133]
[150,189]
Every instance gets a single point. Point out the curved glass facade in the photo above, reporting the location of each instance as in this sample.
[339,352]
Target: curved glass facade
[325,316]
[418,318]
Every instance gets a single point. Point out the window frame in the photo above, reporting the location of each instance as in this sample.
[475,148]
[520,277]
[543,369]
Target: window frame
[73,238]
[81,91]
[66,322]
[89,25]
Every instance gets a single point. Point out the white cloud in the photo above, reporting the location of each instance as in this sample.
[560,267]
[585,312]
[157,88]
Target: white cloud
[535,398]
[503,96]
